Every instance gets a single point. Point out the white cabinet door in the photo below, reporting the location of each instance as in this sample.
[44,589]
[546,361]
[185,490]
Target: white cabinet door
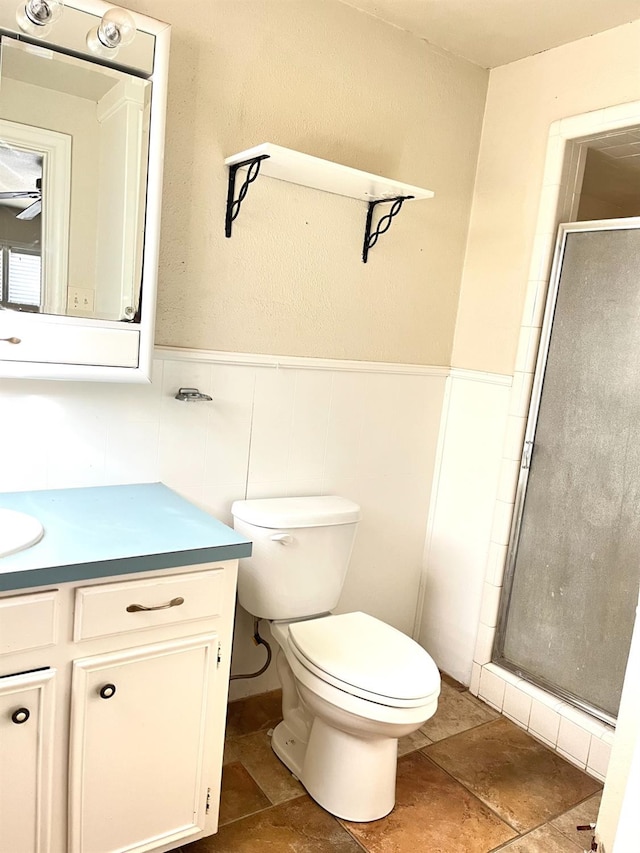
[26,718]
[140,762]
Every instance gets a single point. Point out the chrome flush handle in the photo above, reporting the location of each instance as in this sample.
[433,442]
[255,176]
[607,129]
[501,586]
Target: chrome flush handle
[282,538]
[11,340]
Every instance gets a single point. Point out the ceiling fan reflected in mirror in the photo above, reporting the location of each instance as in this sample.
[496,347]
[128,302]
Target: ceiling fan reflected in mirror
[35,208]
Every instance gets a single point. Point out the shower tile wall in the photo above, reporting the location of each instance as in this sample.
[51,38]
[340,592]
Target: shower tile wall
[367,434]
[461,516]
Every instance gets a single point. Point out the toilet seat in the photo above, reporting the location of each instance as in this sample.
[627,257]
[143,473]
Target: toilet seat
[366,658]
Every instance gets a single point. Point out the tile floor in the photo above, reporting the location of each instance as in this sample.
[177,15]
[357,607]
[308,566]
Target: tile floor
[469,781]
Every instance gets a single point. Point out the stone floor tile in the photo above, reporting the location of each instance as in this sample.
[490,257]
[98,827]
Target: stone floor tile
[255,753]
[297,826]
[581,815]
[409,743]
[545,839]
[520,779]
[457,712]
[451,682]
[230,754]
[433,813]
[245,716]
[240,795]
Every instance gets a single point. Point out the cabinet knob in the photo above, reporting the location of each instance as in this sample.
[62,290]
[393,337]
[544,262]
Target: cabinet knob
[107,691]
[20,715]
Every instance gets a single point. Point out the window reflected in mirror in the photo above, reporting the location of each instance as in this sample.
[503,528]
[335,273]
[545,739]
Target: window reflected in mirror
[73,169]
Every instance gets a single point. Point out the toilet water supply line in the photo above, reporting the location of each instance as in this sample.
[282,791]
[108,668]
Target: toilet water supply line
[258,641]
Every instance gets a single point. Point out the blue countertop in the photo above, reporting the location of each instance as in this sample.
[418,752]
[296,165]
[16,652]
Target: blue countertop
[113,530]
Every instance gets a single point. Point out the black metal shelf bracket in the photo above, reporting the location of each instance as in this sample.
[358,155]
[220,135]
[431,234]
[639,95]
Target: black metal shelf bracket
[384,223]
[233,206]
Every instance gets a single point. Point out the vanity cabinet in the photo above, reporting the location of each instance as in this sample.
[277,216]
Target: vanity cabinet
[26,745]
[122,748]
[139,757]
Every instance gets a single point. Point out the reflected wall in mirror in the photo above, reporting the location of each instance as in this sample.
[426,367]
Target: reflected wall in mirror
[74,140]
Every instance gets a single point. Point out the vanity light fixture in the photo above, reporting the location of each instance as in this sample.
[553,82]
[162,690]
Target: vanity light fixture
[116,29]
[36,17]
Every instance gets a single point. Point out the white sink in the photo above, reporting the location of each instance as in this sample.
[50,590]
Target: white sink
[18,531]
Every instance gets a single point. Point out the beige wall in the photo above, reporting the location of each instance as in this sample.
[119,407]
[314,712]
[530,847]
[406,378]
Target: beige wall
[324,78]
[524,98]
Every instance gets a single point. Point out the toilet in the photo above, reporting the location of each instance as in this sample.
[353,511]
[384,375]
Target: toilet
[351,684]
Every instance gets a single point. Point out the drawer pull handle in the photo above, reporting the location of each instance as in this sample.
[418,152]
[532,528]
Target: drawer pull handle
[11,340]
[107,691]
[21,715]
[175,602]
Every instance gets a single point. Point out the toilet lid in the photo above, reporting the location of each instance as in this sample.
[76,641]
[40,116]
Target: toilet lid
[361,652]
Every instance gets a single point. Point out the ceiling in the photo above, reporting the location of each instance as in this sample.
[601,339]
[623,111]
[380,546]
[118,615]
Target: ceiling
[495,32]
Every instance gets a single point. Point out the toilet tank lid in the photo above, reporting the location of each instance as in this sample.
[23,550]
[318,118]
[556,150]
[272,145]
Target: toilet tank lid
[321,511]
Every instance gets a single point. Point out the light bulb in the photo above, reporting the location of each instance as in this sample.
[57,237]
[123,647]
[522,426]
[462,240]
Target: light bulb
[36,17]
[116,29]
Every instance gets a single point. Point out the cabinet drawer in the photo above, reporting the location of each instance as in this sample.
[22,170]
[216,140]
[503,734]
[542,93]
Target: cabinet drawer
[45,339]
[28,621]
[117,608]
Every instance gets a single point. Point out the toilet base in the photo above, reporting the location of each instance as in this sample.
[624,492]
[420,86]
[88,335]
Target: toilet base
[289,748]
[351,777]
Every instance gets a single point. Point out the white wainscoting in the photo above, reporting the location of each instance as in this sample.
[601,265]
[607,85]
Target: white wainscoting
[421,449]
[465,487]
[276,426]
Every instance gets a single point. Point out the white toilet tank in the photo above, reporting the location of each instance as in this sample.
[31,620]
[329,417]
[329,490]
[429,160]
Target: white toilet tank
[301,551]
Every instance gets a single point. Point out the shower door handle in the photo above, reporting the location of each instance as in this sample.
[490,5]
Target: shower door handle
[527,452]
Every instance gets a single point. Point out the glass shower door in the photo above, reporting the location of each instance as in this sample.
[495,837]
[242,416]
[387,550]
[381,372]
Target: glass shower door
[573,568]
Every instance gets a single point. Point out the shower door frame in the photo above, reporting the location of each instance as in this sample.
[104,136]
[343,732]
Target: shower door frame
[498,658]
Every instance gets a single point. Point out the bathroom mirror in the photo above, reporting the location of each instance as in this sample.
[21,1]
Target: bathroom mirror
[74,138]
[81,145]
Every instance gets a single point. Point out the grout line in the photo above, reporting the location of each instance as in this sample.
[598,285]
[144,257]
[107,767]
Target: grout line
[258,811]
[351,835]
[463,732]
[570,809]
[505,846]
[477,797]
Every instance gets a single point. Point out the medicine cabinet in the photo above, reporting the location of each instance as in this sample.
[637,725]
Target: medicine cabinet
[82,114]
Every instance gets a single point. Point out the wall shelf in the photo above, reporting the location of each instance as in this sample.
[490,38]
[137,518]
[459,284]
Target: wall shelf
[294,167]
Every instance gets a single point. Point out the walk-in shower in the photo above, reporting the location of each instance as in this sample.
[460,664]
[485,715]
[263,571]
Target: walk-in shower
[573,565]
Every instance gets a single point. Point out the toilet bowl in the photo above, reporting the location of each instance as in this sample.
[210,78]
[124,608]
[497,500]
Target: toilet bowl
[339,733]
[351,684]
